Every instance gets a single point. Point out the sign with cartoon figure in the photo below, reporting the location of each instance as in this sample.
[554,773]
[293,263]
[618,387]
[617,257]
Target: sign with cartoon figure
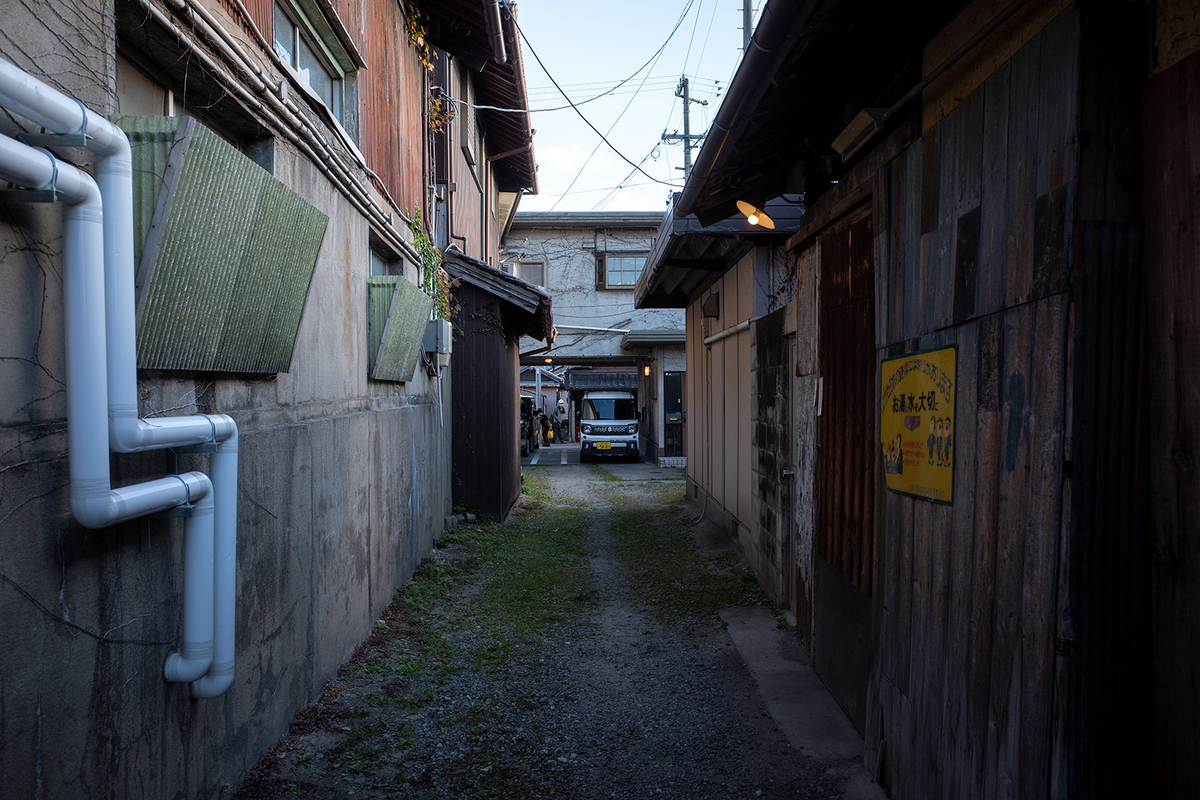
[916,425]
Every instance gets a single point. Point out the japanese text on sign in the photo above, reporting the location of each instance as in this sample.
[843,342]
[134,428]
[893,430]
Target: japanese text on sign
[916,425]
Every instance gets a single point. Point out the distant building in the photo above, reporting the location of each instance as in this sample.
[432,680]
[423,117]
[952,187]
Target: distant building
[589,263]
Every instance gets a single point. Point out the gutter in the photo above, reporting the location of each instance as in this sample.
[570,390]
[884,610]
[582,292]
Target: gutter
[495,31]
[778,20]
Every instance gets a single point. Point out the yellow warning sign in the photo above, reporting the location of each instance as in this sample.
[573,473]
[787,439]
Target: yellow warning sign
[916,423]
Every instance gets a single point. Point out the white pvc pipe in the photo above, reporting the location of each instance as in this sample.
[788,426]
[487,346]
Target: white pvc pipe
[94,502]
[195,653]
[101,361]
[224,475]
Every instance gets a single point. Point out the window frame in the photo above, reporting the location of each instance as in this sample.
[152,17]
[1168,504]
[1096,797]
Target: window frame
[304,30]
[521,263]
[602,270]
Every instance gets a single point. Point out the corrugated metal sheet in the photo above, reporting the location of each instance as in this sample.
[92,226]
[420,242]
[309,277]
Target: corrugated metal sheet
[150,140]
[227,262]
[380,290]
[403,334]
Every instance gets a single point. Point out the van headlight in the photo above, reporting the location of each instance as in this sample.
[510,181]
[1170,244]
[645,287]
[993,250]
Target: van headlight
[586,428]
[632,428]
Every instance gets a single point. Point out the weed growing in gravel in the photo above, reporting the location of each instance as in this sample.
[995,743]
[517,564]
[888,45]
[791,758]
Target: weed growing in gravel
[668,573]
[603,474]
[536,577]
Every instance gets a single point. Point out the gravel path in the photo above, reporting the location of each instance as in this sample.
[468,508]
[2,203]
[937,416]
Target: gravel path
[634,691]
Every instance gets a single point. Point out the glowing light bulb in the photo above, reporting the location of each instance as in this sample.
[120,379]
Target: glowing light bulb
[752,219]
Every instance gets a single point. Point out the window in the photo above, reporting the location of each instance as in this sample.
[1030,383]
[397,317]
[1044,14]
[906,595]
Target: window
[618,270]
[297,47]
[605,408]
[532,272]
[383,264]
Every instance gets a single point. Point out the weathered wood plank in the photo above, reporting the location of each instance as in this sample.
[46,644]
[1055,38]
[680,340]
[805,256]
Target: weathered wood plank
[956,699]
[1041,538]
[1005,697]
[1172,153]
[881,213]
[931,175]
[912,279]
[994,219]
[983,571]
[1024,92]
[966,264]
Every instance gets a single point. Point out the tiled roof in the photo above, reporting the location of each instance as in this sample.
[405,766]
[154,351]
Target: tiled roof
[594,380]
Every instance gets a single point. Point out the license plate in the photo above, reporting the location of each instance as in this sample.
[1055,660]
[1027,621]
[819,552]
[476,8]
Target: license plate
[603,445]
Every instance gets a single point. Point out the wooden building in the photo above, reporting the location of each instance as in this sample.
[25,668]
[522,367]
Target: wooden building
[1014,181]
[495,311]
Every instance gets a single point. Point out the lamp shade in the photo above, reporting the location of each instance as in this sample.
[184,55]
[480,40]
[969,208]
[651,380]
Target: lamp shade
[755,215]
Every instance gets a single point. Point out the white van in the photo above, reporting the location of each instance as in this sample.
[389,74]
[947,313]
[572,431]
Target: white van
[608,426]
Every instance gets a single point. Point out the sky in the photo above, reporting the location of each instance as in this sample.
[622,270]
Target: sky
[588,47]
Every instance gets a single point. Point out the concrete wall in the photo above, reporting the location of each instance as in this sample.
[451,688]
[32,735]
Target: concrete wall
[332,514]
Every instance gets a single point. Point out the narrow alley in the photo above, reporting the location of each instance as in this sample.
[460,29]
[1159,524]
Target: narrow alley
[574,651]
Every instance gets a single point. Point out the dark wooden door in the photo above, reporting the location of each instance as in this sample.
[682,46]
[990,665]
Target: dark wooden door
[672,414]
[842,633]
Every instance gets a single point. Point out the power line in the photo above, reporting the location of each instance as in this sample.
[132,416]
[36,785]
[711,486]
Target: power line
[692,40]
[603,138]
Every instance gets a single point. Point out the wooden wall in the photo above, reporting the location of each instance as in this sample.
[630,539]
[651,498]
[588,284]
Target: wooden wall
[1172,170]
[972,244]
[471,189]
[486,475]
[718,390]
[392,91]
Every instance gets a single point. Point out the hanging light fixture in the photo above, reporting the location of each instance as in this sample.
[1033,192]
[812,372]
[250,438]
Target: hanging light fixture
[755,215]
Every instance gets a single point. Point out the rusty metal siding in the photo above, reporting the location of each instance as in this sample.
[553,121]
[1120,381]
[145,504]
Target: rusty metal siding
[391,95]
[845,493]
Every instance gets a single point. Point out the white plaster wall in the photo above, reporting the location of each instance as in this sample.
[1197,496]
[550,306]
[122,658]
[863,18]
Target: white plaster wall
[570,258]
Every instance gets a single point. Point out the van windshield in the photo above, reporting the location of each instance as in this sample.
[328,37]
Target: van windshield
[594,408]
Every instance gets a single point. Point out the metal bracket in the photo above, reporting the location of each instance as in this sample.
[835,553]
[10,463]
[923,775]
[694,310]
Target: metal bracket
[77,139]
[203,447]
[28,196]
[181,511]
[54,139]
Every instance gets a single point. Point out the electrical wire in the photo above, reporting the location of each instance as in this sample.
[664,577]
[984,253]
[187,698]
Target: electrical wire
[692,40]
[603,138]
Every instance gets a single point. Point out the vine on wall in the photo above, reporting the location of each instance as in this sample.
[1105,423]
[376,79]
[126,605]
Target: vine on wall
[418,34]
[434,279]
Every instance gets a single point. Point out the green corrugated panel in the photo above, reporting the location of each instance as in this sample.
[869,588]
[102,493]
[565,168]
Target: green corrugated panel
[403,335]
[276,270]
[227,263]
[380,290]
[150,140]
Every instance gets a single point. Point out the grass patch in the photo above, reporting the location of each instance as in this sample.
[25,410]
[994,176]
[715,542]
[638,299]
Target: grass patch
[602,474]
[537,577]
[667,572]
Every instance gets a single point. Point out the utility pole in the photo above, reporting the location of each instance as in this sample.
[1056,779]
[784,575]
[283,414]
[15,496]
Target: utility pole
[747,19]
[689,141]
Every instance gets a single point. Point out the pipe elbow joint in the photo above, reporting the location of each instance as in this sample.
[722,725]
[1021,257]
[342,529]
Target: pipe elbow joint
[94,510]
[186,669]
[225,431]
[215,683]
[125,432]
